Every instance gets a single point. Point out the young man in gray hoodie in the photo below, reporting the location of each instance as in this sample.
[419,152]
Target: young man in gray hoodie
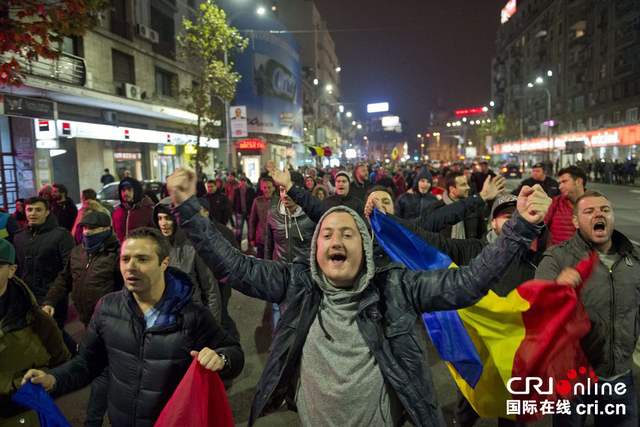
[349,344]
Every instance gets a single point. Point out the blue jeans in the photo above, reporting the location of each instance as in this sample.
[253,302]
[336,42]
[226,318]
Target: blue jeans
[579,403]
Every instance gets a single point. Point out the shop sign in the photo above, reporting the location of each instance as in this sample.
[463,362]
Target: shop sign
[125,155]
[252,144]
[47,143]
[190,149]
[20,106]
[169,150]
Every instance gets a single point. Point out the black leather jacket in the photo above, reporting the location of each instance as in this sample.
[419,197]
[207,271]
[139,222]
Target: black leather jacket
[389,308]
[287,236]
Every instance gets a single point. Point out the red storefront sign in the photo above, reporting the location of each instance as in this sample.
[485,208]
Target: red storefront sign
[252,144]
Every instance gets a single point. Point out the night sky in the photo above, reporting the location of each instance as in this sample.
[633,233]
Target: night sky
[418,51]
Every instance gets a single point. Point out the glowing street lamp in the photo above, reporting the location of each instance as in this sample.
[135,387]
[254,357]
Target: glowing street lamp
[261,10]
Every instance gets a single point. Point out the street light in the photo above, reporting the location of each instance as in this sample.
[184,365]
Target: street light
[315,82]
[492,104]
[329,88]
[261,10]
[349,114]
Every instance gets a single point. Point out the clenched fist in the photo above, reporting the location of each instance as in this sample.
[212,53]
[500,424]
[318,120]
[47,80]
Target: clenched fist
[181,185]
[533,203]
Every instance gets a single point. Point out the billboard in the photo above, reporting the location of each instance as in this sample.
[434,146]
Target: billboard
[238,121]
[270,87]
[380,107]
[508,11]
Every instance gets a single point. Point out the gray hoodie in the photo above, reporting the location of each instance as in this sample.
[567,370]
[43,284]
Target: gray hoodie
[340,382]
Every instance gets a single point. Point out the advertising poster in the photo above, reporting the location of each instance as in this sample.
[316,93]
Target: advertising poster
[270,87]
[238,121]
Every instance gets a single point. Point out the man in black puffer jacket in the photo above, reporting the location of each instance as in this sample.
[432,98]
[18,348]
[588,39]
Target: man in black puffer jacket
[348,342]
[417,204]
[148,335]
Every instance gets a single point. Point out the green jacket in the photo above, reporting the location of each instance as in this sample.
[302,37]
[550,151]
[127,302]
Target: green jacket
[29,339]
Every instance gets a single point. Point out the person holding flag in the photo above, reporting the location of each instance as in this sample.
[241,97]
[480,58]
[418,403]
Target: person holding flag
[147,334]
[348,330]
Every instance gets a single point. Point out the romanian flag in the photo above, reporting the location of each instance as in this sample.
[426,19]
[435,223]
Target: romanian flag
[534,332]
[320,151]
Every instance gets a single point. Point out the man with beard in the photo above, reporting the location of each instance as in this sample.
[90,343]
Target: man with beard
[63,207]
[612,299]
[360,184]
[135,210]
[559,219]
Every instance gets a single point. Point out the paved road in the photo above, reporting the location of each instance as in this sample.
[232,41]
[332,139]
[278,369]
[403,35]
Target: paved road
[252,319]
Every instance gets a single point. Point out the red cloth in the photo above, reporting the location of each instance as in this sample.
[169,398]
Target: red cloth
[559,220]
[550,348]
[199,400]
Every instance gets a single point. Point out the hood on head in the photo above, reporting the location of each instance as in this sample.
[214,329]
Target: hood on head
[424,173]
[164,207]
[369,266]
[137,190]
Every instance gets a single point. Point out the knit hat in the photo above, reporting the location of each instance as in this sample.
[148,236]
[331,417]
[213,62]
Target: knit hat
[7,253]
[503,203]
[345,174]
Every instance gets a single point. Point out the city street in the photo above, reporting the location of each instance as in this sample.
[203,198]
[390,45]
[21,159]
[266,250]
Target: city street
[252,319]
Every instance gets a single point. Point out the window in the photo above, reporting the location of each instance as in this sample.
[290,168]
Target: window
[593,98]
[616,117]
[603,71]
[603,96]
[579,103]
[580,126]
[165,26]
[164,82]
[123,68]
[591,123]
[632,115]
[618,91]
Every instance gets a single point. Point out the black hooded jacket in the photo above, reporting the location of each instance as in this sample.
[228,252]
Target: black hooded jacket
[416,205]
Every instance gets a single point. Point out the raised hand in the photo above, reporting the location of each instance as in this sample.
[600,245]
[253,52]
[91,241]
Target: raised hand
[280,177]
[492,187]
[533,203]
[181,185]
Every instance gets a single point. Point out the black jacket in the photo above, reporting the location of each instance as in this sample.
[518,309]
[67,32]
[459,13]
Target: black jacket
[41,253]
[359,190]
[389,309]
[249,195]
[549,185]
[146,365]
[349,201]
[220,207]
[462,251]
[88,277]
[66,212]
[474,225]
[416,205]
[288,236]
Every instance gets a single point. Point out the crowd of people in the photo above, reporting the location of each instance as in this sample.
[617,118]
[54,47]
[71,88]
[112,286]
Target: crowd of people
[151,281]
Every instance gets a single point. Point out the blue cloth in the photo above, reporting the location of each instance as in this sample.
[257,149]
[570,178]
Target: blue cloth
[445,327]
[35,397]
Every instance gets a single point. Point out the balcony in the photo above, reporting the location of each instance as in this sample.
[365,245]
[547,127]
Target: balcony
[627,7]
[68,69]
[625,69]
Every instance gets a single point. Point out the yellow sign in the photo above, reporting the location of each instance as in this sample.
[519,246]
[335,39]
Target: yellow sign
[395,153]
[169,149]
[190,149]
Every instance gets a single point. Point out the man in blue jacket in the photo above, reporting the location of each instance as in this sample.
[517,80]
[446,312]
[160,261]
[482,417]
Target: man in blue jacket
[147,334]
[349,345]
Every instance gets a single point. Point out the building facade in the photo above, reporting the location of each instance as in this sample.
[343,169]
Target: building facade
[565,69]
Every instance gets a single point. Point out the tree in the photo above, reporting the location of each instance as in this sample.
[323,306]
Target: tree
[203,45]
[32,29]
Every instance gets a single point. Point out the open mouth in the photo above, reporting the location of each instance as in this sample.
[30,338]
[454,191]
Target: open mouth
[599,227]
[337,259]
[132,280]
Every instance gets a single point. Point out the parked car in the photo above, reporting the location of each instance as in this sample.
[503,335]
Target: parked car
[512,171]
[109,193]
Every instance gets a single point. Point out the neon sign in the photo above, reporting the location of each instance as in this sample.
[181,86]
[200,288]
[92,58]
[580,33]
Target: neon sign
[252,144]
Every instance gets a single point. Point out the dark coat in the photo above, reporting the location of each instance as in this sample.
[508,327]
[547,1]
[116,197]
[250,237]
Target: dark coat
[258,220]
[349,201]
[389,309]
[66,212]
[41,253]
[549,185]
[29,339]
[139,213]
[250,195]
[358,190]
[88,277]
[474,225]
[220,207]
[288,236]
[146,365]
[612,300]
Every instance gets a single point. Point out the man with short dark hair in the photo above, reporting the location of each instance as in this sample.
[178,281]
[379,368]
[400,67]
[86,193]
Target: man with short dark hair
[135,210]
[349,347]
[259,212]
[42,251]
[63,207]
[612,299]
[242,202]
[559,219]
[106,178]
[342,196]
[147,334]
[539,176]
[220,207]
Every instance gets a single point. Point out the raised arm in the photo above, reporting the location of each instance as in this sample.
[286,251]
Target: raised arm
[251,276]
